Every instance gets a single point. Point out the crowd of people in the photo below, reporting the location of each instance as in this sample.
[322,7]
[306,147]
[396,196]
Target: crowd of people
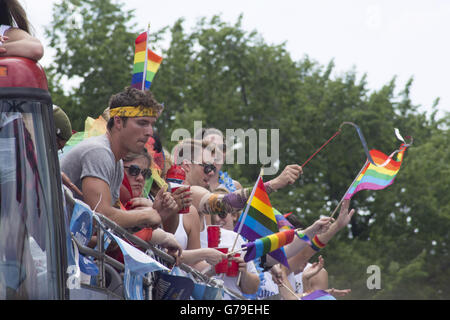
[109,172]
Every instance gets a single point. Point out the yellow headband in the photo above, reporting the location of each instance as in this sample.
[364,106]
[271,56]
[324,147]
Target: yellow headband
[130,111]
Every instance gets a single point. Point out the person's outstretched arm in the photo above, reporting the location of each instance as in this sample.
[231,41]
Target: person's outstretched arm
[307,252]
[212,203]
[19,43]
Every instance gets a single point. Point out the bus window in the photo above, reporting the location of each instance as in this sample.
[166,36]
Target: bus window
[28,260]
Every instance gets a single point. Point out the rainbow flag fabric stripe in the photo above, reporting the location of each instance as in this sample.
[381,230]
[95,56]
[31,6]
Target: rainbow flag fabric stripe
[282,222]
[268,244]
[145,65]
[377,177]
[260,220]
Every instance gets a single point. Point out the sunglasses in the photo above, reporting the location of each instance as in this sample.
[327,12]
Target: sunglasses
[134,171]
[223,215]
[207,167]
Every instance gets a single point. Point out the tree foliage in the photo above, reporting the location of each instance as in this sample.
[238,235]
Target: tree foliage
[227,77]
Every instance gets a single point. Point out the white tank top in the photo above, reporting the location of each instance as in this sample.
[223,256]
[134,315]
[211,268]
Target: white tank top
[204,236]
[298,280]
[180,233]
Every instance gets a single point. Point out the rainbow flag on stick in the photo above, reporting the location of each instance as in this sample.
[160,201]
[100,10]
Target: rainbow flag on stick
[258,219]
[268,244]
[146,63]
[379,176]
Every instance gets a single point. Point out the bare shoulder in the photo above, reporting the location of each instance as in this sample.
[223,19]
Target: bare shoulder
[198,191]
[192,216]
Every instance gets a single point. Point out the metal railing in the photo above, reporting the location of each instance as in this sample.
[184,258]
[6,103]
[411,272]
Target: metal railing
[101,257]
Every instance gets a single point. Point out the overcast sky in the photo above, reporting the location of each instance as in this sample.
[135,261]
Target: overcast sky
[381,38]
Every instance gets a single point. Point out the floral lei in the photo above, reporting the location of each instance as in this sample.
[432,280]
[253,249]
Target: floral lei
[226,180]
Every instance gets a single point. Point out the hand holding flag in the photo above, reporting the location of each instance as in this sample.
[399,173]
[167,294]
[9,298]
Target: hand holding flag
[268,244]
[258,219]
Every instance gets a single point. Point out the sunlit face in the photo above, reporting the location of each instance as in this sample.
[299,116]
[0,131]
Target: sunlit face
[226,222]
[196,176]
[135,133]
[137,182]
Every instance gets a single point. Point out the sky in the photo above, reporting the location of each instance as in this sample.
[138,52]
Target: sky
[383,39]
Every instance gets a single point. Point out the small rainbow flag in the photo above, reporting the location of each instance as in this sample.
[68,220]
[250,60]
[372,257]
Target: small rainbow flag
[259,220]
[379,176]
[268,244]
[145,65]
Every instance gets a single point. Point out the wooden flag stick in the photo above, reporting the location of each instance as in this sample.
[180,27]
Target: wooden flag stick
[246,210]
[317,151]
[290,291]
[144,74]
[236,251]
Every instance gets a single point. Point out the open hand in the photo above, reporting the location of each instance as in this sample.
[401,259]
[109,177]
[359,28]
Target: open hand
[344,216]
[320,226]
[313,269]
[338,293]
[173,247]
[164,203]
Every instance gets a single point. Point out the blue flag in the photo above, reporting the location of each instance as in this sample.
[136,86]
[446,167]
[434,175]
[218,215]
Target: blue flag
[81,228]
[137,265]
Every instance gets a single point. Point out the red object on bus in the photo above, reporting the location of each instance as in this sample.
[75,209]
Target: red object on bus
[22,72]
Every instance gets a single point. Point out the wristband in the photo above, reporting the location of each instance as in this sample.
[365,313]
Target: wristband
[316,244]
[268,187]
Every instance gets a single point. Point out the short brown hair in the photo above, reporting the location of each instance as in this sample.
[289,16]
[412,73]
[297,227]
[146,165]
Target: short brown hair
[133,97]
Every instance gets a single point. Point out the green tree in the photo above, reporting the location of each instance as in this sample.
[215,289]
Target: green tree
[94,44]
[230,78]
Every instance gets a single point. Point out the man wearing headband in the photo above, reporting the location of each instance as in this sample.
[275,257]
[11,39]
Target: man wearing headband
[95,165]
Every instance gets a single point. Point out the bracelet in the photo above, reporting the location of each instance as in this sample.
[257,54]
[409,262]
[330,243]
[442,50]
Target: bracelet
[316,244]
[268,187]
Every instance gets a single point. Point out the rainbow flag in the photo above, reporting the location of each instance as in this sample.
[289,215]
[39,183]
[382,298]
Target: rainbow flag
[379,176]
[259,220]
[146,63]
[268,244]
[282,222]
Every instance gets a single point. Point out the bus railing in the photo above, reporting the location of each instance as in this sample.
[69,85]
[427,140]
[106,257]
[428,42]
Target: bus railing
[103,223]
